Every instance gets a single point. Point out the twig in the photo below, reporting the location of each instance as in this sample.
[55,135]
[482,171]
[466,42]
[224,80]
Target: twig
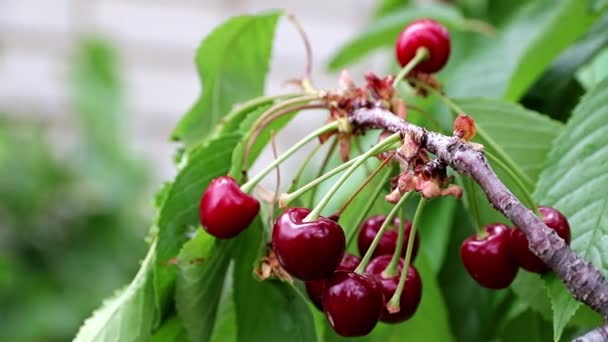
[585,281]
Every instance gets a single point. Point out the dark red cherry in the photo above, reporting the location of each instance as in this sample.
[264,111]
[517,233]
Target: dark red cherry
[488,258]
[315,288]
[424,33]
[519,244]
[412,289]
[307,250]
[388,242]
[225,210]
[353,303]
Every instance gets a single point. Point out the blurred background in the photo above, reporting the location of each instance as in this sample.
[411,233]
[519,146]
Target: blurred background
[89,94]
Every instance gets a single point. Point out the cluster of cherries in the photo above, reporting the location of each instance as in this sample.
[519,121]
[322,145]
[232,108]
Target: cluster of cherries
[493,257]
[314,252]
[311,248]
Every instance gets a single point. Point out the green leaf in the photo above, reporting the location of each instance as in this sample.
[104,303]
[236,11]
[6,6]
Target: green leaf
[203,262]
[557,91]
[598,5]
[429,323]
[384,31]
[508,64]
[179,211]
[130,314]
[570,182]
[171,331]
[435,230]
[266,310]
[511,132]
[232,63]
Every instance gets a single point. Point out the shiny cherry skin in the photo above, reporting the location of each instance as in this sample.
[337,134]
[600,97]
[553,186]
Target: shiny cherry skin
[353,303]
[388,242]
[412,289]
[225,210]
[519,244]
[424,33]
[307,250]
[315,288]
[488,258]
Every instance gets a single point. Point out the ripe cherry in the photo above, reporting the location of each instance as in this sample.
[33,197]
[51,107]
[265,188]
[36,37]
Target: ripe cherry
[315,288]
[488,258]
[412,289]
[225,210]
[519,244]
[307,250]
[353,303]
[424,33]
[388,242]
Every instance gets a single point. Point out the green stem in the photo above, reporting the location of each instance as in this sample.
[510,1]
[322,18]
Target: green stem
[472,199]
[305,163]
[314,214]
[368,207]
[394,301]
[247,187]
[517,180]
[422,54]
[322,169]
[253,103]
[391,269]
[288,198]
[387,222]
[482,133]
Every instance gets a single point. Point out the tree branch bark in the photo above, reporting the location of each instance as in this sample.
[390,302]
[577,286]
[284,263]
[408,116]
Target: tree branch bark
[585,282]
[598,335]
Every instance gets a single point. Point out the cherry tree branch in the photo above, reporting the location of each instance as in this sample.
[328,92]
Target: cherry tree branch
[585,282]
[597,335]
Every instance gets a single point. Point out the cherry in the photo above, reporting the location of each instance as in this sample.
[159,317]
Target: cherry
[412,289]
[424,33]
[353,303]
[488,258]
[388,242]
[519,244]
[225,210]
[307,250]
[315,288]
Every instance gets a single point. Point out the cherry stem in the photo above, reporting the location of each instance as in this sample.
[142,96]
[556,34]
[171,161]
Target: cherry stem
[474,205]
[322,169]
[517,180]
[257,102]
[396,298]
[378,148]
[422,54]
[387,222]
[482,134]
[247,187]
[368,207]
[362,186]
[308,49]
[305,163]
[391,269]
[288,198]
[272,113]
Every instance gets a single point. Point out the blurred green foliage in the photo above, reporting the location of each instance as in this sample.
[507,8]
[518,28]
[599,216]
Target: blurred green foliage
[71,218]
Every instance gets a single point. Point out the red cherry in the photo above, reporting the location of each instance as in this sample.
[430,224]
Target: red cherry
[488,258]
[225,210]
[519,244]
[353,303]
[388,242]
[315,288]
[307,250]
[412,289]
[424,33]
